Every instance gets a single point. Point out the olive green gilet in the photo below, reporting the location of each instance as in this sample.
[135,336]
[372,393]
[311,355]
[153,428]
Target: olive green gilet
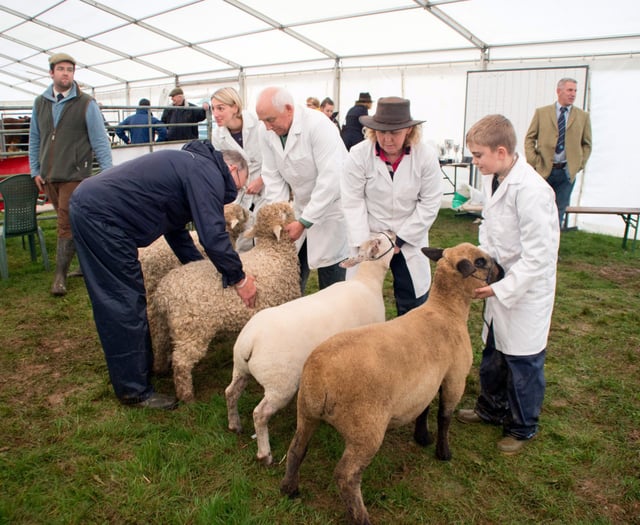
[65,150]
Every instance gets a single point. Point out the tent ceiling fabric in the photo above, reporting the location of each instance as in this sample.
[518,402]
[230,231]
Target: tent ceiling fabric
[166,41]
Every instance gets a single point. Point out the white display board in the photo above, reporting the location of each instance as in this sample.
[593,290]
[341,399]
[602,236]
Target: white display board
[516,93]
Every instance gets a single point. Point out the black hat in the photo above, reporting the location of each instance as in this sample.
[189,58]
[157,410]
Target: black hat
[391,113]
[364,97]
[144,102]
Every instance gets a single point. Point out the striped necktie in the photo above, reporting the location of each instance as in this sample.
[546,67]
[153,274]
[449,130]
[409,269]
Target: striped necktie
[561,129]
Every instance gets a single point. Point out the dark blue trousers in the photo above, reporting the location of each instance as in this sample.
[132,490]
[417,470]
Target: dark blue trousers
[561,183]
[511,390]
[327,275]
[403,290]
[113,276]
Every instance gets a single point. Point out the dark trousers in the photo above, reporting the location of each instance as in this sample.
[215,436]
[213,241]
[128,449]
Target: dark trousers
[511,390]
[403,290]
[327,275]
[113,277]
[561,183]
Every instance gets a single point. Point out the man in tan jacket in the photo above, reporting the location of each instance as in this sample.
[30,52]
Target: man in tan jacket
[559,154]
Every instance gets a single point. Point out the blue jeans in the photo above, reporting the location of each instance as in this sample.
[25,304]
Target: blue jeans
[561,183]
[511,390]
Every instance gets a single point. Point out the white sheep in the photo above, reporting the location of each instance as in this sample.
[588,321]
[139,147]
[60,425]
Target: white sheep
[195,306]
[368,379]
[275,343]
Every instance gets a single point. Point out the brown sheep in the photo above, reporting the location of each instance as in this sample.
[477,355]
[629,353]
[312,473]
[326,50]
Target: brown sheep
[368,379]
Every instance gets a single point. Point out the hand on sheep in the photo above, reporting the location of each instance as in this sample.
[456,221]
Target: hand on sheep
[294,229]
[246,290]
[483,293]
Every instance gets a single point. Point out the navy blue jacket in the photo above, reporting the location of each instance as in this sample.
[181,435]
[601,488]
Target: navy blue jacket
[159,193]
[141,135]
[352,129]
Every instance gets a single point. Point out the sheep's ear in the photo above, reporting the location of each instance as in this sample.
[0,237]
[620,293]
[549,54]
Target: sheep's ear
[435,254]
[277,230]
[234,223]
[465,267]
[351,262]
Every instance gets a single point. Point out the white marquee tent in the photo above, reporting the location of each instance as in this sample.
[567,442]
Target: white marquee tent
[455,60]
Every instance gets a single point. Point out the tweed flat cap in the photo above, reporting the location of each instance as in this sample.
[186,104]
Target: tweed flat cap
[61,57]
[176,91]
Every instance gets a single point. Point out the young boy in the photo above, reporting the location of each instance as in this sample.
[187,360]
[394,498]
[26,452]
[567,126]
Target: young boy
[520,230]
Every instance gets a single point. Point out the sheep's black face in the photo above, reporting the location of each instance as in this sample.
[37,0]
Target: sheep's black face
[496,272]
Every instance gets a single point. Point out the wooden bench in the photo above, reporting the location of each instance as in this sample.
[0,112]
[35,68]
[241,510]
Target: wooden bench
[630,217]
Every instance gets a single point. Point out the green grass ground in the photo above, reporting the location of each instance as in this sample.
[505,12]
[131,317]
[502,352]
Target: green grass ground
[70,454]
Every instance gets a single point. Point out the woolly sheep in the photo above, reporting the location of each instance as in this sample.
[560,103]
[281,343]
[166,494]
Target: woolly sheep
[368,379]
[196,307]
[274,344]
[158,258]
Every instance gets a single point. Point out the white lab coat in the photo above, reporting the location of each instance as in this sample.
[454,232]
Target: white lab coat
[520,230]
[311,164]
[408,204]
[222,140]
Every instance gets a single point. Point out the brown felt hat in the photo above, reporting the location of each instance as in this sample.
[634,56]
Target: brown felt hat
[176,91]
[61,57]
[391,113]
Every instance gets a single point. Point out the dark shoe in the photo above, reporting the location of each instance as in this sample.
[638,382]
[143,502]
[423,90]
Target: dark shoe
[468,415]
[157,400]
[510,445]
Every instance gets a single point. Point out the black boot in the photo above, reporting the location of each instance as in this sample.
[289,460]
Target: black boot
[64,253]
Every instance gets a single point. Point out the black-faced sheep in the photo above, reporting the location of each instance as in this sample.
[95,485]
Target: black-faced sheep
[275,343]
[196,307]
[368,379]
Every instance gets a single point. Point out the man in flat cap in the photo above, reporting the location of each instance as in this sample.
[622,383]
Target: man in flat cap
[182,113]
[67,129]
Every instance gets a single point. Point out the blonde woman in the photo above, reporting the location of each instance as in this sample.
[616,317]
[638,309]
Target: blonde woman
[391,181]
[237,130]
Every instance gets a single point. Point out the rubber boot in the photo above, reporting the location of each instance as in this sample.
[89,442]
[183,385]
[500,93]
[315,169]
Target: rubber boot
[64,253]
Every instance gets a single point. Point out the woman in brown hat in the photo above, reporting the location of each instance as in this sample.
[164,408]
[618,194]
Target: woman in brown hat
[352,129]
[392,181]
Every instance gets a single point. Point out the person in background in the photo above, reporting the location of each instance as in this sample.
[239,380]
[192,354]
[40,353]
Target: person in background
[327,106]
[138,134]
[182,112]
[129,206]
[313,103]
[557,156]
[391,181]
[352,130]
[302,151]
[74,119]
[238,130]
[520,231]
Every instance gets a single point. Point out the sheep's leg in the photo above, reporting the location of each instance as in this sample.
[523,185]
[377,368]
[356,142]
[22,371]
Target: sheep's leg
[232,394]
[421,433]
[185,357]
[296,453]
[160,341]
[261,416]
[449,398]
[348,475]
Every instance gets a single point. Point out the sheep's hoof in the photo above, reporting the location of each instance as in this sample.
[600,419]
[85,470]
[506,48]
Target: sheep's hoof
[423,439]
[266,460]
[287,490]
[443,456]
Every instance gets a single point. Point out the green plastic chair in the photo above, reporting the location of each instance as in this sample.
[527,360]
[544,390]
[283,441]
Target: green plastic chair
[20,195]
